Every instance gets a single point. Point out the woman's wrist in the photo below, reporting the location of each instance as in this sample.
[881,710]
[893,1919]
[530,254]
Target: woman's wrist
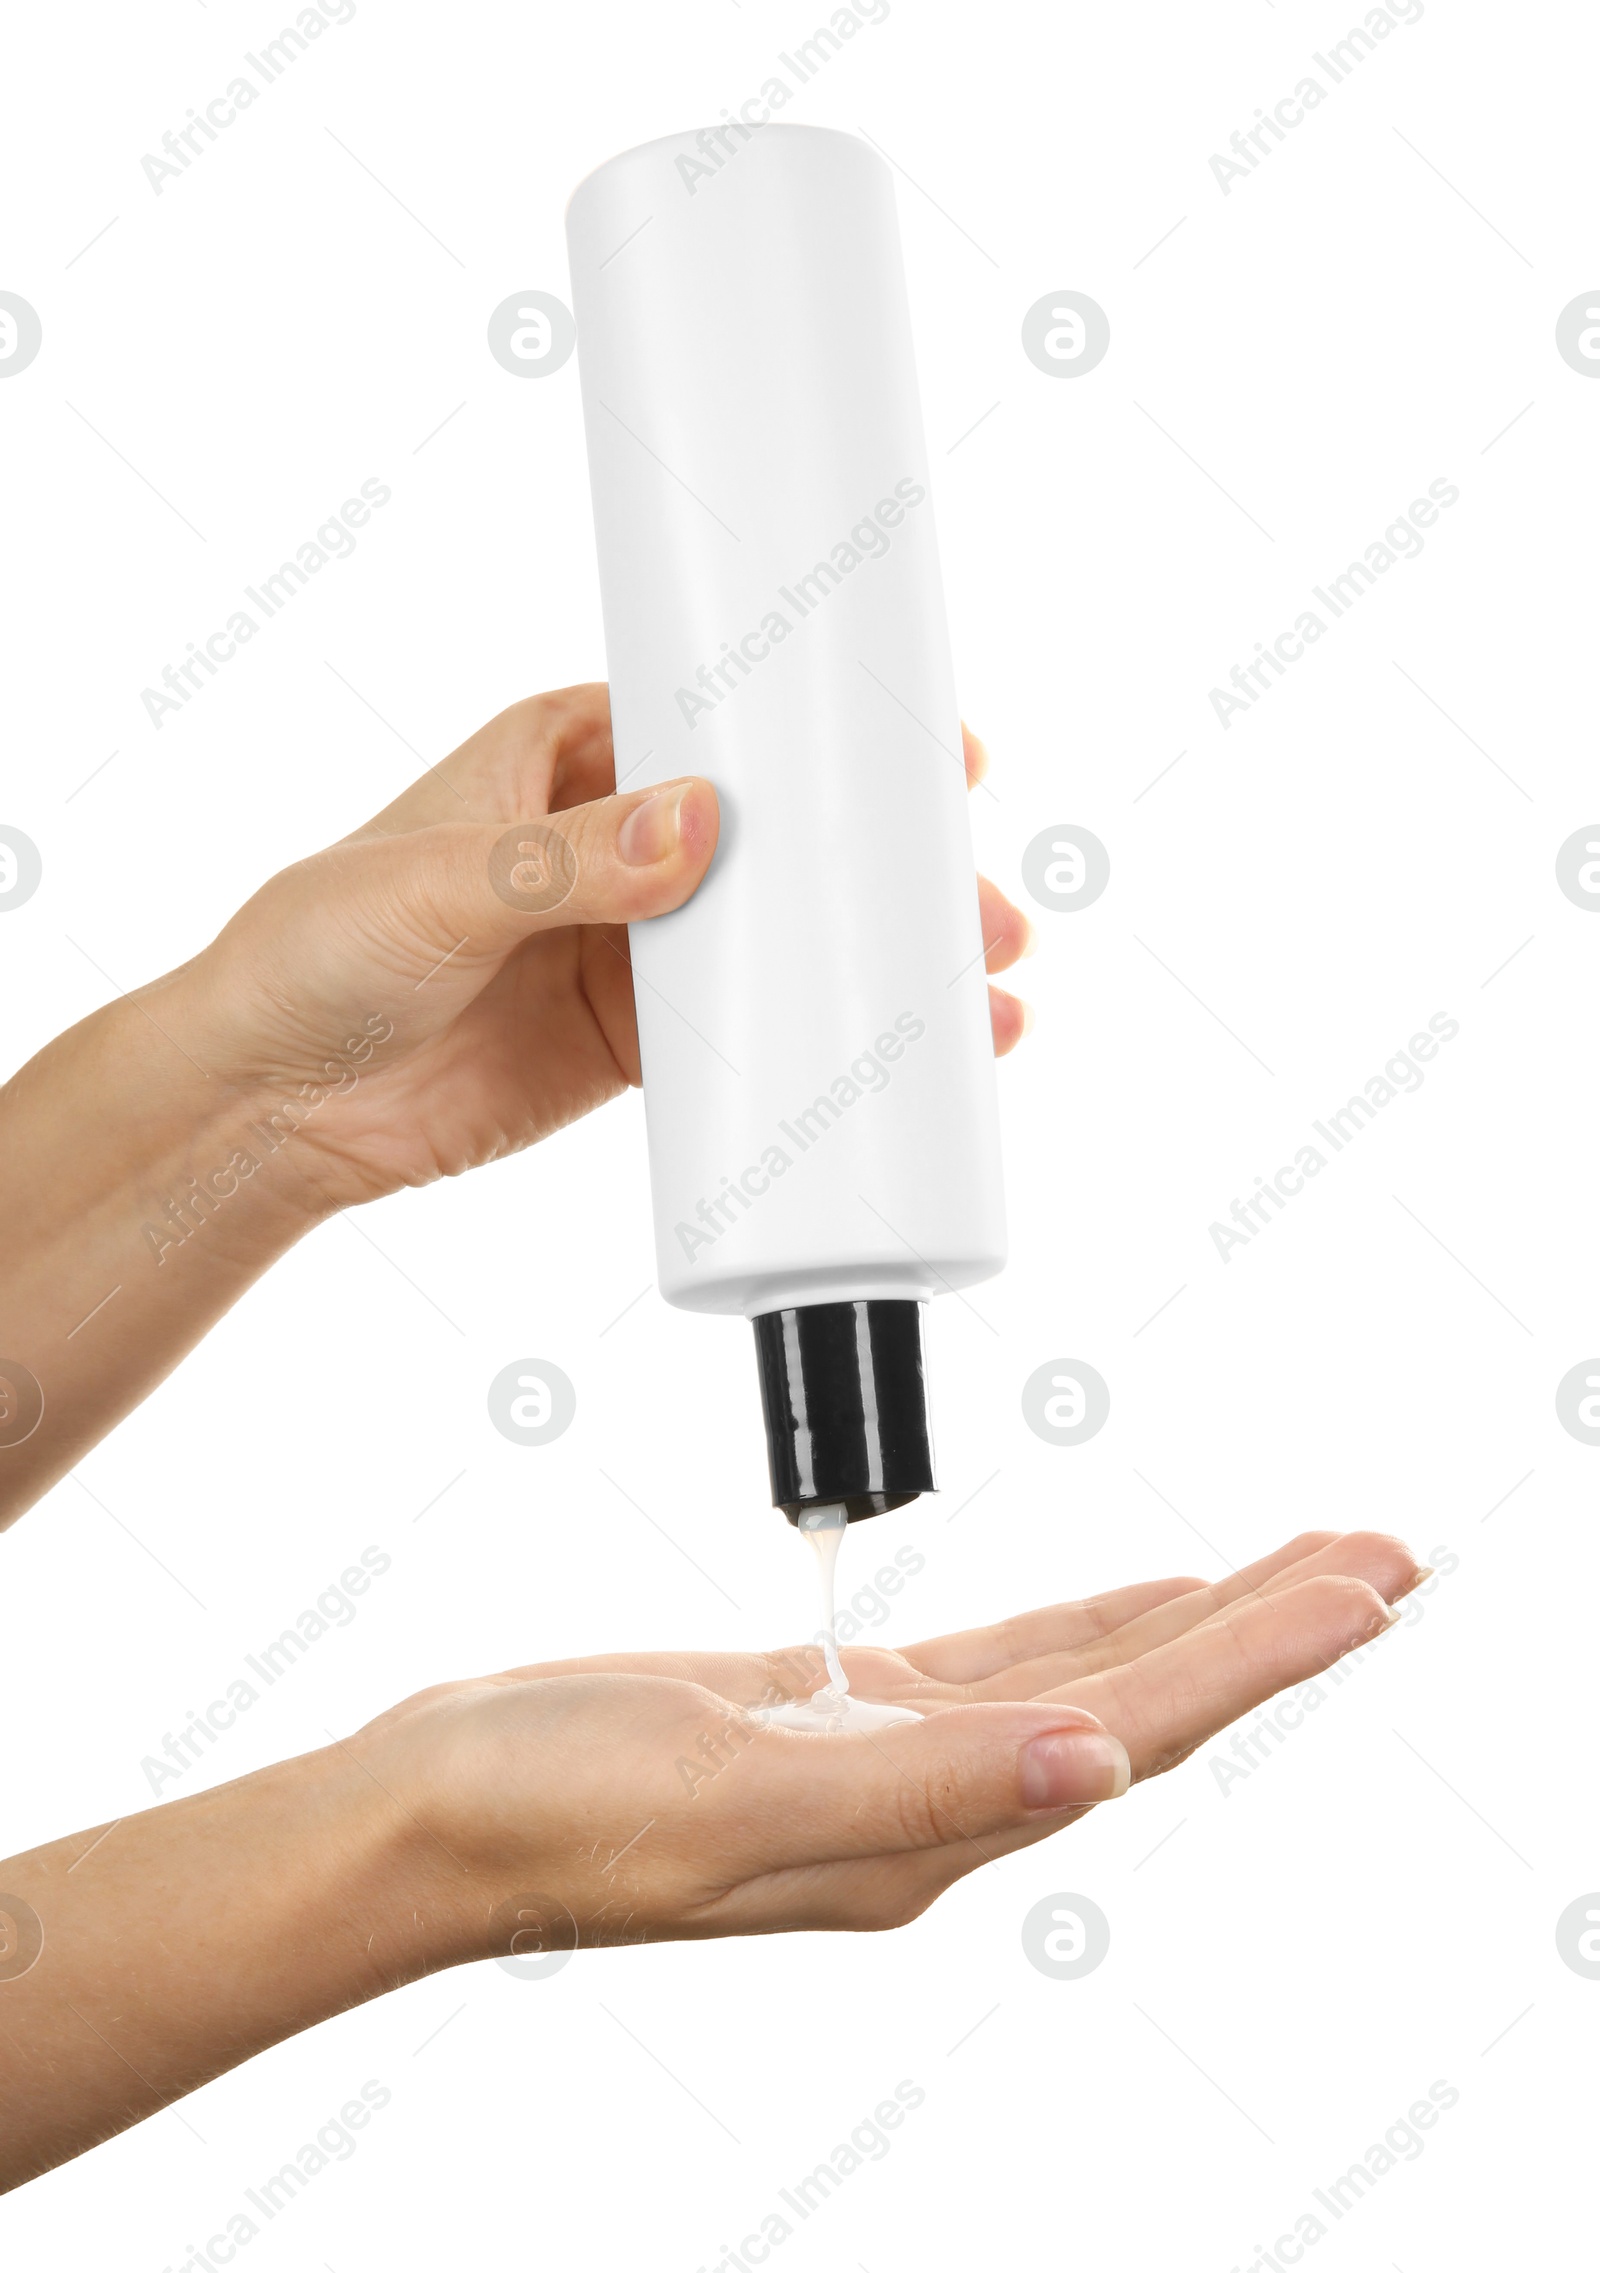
[139,1207]
[223,1132]
[292,1060]
[412,1904]
[123,1116]
[446,1867]
[384,1896]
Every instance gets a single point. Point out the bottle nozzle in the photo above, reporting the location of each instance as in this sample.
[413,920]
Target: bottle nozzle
[846,1406]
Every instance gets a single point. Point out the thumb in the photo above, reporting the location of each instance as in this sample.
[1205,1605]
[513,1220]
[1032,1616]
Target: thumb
[618,860]
[971,1772]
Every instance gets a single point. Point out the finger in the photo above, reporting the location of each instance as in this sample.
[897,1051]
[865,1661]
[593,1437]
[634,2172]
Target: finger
[1007,933]
[985,1650]
[975,756]
[1009,1020]
[473,891]
[1163,1704]
[550,751]
[957,1778]
[871,1894]
[1064,1652]
[1387,1565]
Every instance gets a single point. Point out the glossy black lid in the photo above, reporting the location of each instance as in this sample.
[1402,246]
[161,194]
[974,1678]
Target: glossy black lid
[846,1407]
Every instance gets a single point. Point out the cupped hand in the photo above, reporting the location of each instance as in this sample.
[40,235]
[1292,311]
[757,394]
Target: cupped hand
[506,1016]
[618,1800]
[634,1798]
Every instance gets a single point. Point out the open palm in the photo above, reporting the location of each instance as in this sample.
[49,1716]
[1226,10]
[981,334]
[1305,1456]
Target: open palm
[638,1797]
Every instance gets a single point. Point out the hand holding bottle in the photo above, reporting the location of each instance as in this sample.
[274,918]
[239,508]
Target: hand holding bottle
[434,991]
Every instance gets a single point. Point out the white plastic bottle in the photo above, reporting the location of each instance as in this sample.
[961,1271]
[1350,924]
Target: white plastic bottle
[814,1026]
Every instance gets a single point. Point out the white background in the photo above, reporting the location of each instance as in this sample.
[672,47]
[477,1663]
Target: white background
[1371,309]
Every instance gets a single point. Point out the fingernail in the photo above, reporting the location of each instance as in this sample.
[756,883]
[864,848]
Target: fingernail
[1073,1768]
[1412,1584]
[651,831]
[1027,1020]
[1030,943]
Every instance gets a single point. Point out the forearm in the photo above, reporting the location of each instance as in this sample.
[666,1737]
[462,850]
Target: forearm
[144,1191]
[182,1941]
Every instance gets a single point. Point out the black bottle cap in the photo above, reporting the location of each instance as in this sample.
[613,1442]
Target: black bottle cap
[846,1406]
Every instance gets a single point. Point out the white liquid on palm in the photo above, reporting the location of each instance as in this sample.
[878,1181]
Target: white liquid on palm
[832,1708]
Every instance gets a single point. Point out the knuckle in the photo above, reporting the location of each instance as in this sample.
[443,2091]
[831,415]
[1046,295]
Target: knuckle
[524,723]
[889,1907]
[924,1809]
[1308,1543]
[1358,1605]
[1382,1550]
